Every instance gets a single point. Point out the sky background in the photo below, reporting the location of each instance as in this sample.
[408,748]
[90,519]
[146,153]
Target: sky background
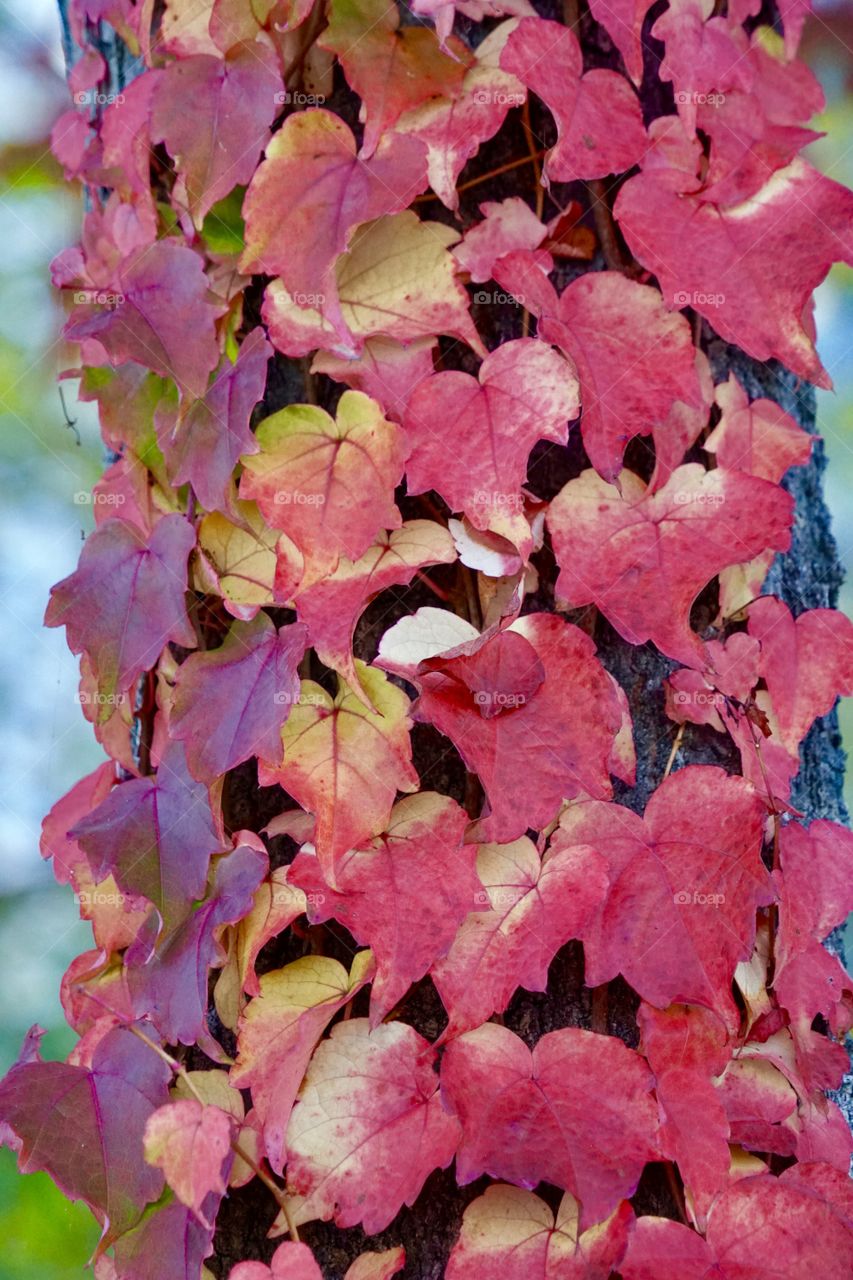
[45,744]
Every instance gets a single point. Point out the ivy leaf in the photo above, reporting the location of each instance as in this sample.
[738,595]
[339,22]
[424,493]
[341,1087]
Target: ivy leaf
[685,882]
[327,483]
[242,692]
[805,664]
[205,441]
[279,1030]
[330,608]
[404,894]
[345,762]
[662,548]
[542,1116]
[156,835]
[623,22]
[507,226]
[237,561]
[390,68]
[92,1148]
[512,1233]
[386,370]
[170,986]
[470,439]
[168,1234]
[312,190]
[163,319]
[356,1154]
[502,718]
[214,114]
[757,436]
[749,270]
[453,128]
[534,905]
[125,601]
[191,1143]
[789,1220]
[424,634]
[397,280]
[599,122]
[294,1261]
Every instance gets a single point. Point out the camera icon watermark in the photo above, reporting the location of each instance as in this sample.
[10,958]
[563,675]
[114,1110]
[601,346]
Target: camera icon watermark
[497,298]
[685,98]
[286,98]
[686,898]
[295,498]
[696,298]
[85,498]
[498,98]
[97,298]
[499,699]
[95,98]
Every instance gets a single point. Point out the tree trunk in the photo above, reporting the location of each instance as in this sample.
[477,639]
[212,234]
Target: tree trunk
[806,577]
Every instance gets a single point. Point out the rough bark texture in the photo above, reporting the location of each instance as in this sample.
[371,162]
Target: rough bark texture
[808,576]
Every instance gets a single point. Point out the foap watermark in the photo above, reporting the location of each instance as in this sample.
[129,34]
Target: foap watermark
[98,699]
[684,898]
[696,698]
[696,298]
[296,498]
[99,898]
[288,98]
[96,98]
[700,497]
[491,698]
[684,98]
[289,896]
[284,699]
[498,98]
[84,498]
[97,298]
[498,501]
[496,898]
[497,298]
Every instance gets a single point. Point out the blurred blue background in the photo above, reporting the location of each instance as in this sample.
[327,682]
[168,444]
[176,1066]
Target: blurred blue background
[46,744]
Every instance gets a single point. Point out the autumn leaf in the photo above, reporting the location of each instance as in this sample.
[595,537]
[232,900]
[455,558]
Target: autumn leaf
[345,762]
[511,1232]
[662,548]
[534,905]
[191,1143]
[356,1155]
[214,114]
[279,1030]
[328,483]
[245,690]
[125,601]
[470,439]
[531,1117]
[403,894]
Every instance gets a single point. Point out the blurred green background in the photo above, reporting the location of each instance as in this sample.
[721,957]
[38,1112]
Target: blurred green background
[46,745]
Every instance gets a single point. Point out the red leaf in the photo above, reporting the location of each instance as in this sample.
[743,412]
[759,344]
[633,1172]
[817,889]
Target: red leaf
[685,882]
[359,1154]
[156,835]
[92,1147]
[404,894]
[125,601]
[230,703]
[758,437]
[312,190]
[599,123]
[499,712]
[470,440]
[751,270]
[163,318]
[662,548]
[542,1116]
[391,68]
[623,22]
[204,443]
[213,114]
[534,906]
[191,1143]
[332,607]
